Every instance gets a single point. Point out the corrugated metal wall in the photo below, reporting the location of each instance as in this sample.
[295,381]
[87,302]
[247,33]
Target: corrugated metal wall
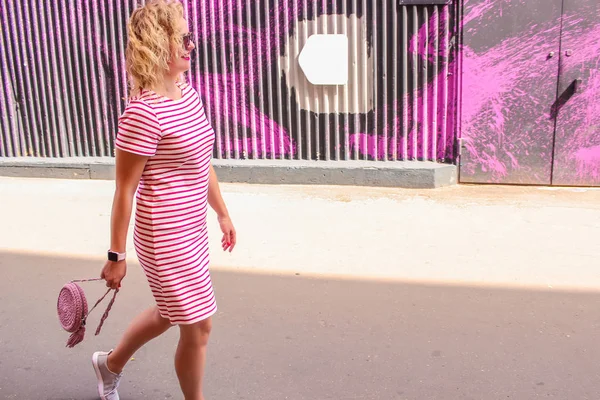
[64,84]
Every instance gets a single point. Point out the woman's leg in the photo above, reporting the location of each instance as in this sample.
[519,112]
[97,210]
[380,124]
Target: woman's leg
[191,356]
[145,327]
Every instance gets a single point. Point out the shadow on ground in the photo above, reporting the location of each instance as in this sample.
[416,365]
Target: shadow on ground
[290,337]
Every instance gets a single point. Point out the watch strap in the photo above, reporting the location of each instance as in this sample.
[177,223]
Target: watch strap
[115,257]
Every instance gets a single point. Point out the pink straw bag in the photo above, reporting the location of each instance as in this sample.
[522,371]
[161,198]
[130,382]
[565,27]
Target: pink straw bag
[73,310]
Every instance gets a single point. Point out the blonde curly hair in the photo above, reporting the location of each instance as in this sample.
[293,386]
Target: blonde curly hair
[152,32]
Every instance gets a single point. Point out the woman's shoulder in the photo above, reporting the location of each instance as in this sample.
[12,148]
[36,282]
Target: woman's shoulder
[137,102]
[138,107]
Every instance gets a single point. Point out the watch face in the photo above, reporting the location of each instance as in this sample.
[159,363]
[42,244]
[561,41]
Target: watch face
[112,256]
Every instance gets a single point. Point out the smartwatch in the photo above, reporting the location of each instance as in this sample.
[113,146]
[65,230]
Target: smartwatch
[116,257]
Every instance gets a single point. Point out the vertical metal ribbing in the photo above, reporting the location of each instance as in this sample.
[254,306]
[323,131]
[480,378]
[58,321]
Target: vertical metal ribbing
[424,87]
[38,106]
[233,81]
[288,34]
[243,81]
[355,78]
[11,135]
[259,67]
[93,41]
[279,114]
[102,50]
[307,129]
[457,9]
[345,91]
[71,94]
[266,42]
[24,97]
[214,79]
[60,71]
[395,125]
[114,57]
[87,79]
[405,89]
[205,65]
[375,81]
[384,72]
[434,111]
[252,106]
[415,85]
[121,36]
[446,59]
[325,96]
[336,96]
[54,100]
[7,145]
[299,135]
[37,59]
[77,82]
[314,28]
[376,89]
[226,133]
[365,78]
[56,128]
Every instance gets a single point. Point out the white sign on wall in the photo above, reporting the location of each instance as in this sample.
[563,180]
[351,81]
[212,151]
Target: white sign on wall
[324,59]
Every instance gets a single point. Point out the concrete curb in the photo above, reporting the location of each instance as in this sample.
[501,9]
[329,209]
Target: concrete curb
[403,174]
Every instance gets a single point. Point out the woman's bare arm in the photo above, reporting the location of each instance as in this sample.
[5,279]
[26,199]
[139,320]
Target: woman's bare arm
[129,168]
[215,199]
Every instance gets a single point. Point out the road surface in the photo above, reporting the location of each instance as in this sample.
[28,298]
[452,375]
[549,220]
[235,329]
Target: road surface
[463,293]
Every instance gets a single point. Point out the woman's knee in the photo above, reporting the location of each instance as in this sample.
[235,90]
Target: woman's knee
[197,333]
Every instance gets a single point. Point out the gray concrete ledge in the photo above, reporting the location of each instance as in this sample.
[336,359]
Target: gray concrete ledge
[404,174]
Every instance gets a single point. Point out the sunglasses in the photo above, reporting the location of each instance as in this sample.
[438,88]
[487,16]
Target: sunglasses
[188,40]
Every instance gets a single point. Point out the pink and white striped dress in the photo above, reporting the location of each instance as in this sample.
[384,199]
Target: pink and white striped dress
[170,234]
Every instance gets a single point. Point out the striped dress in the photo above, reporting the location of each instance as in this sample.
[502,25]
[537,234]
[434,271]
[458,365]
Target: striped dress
[170,233]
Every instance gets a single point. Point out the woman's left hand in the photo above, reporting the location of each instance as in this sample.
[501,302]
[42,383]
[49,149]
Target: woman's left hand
[229,236]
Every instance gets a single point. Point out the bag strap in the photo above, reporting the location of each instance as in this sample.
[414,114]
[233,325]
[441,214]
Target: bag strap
[110,304]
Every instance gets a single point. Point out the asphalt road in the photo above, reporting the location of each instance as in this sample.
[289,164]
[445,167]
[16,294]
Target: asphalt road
[292,337]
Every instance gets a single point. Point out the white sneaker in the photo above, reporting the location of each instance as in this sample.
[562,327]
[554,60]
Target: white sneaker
[108,381]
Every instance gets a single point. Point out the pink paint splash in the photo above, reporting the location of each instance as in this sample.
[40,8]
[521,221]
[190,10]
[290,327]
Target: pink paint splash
[247,51]
[503,122]
[588,163]
[266,138]
[508,92]
[426,113]
[229,86]
[578,125]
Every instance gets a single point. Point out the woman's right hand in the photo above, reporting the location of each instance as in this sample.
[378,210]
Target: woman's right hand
[113,273]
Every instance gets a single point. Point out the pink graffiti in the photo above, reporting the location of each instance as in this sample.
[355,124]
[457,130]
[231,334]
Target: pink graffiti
[232,96]
[420,124]
[588,162]
[508,90]
[264,136]
[578,125]
[502,120]
[247,52]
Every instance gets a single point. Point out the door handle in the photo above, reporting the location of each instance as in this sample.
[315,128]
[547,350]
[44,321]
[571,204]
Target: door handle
[577,85]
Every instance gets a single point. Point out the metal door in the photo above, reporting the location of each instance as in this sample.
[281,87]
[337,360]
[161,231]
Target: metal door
[577,109]
[517,126]
[510,62]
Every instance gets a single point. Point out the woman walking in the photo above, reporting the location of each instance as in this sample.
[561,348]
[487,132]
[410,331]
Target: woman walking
[164,148]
